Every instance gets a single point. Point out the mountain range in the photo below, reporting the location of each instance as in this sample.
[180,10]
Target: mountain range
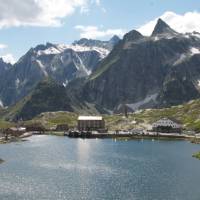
[62,63]
[160,70]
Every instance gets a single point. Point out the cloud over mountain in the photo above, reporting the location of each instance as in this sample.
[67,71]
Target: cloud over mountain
[94,32]
[187,22]
[3,46]
[8,58]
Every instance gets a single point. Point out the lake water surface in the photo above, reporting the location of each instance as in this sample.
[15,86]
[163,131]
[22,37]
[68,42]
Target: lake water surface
[50,167]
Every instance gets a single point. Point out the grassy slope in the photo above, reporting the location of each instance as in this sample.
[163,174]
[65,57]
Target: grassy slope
[3,122]
[188,114]
[51,119]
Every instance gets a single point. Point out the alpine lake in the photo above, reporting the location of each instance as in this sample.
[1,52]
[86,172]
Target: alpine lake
[58,168]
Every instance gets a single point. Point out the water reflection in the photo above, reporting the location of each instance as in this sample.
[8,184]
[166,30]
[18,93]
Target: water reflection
[52,168]
[83,150]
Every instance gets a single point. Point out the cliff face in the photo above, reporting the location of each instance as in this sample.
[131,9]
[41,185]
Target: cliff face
[63,63]
[155,71]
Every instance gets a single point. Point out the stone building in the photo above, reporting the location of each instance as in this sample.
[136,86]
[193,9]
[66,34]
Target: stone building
[91,123]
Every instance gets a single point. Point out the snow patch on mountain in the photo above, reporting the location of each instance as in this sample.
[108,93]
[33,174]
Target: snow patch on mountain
[57,49]
[88,72]
[185,56]
[49,51]
[17,82]
[42,67]
[181,59]
[162,36]
[194,51]
[65,83]
[1,104]
[198,83]
[82,71]
[156,38]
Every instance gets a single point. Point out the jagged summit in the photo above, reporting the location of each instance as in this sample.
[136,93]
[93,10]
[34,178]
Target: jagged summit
[133,35]
[1,61]
[98,43]
[114,40]
[162,28]
[141,71]
[61,62]
[160,70]
[90,42]
[82,41]
[43,46]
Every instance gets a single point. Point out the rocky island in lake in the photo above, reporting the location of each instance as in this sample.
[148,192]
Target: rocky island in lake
[1,161]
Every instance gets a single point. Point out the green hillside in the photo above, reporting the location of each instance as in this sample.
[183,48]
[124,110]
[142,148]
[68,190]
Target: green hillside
[188,114]
[47,96]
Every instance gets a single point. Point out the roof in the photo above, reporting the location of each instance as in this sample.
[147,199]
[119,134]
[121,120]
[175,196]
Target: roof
[90,118]
[166,122]
[166,119]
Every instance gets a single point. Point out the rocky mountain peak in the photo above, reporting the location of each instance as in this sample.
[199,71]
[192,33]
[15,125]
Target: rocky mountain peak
[1,61]
[82,41]
[162,28]
[42,47]
[114,40]
[133,35]
[98,43]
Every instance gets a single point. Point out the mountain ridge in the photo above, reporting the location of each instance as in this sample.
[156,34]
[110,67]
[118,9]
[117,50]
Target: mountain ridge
[141,67]
[63,63]
[141,72]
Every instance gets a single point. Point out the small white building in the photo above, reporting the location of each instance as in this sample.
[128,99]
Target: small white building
[87,123]
[166,125]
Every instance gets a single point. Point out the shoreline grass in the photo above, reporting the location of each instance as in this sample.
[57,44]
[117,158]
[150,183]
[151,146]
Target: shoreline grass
[196,155]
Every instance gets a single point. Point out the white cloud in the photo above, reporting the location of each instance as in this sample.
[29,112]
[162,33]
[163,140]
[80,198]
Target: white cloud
[187,22]
[97,2]
[86,8]
[8,58]
[94,32]
[39,12]
[103,10]
[3,46]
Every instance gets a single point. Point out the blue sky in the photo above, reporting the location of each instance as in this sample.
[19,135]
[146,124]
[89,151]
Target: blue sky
[28,23]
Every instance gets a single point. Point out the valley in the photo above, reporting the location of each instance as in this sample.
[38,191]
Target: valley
[154,77]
